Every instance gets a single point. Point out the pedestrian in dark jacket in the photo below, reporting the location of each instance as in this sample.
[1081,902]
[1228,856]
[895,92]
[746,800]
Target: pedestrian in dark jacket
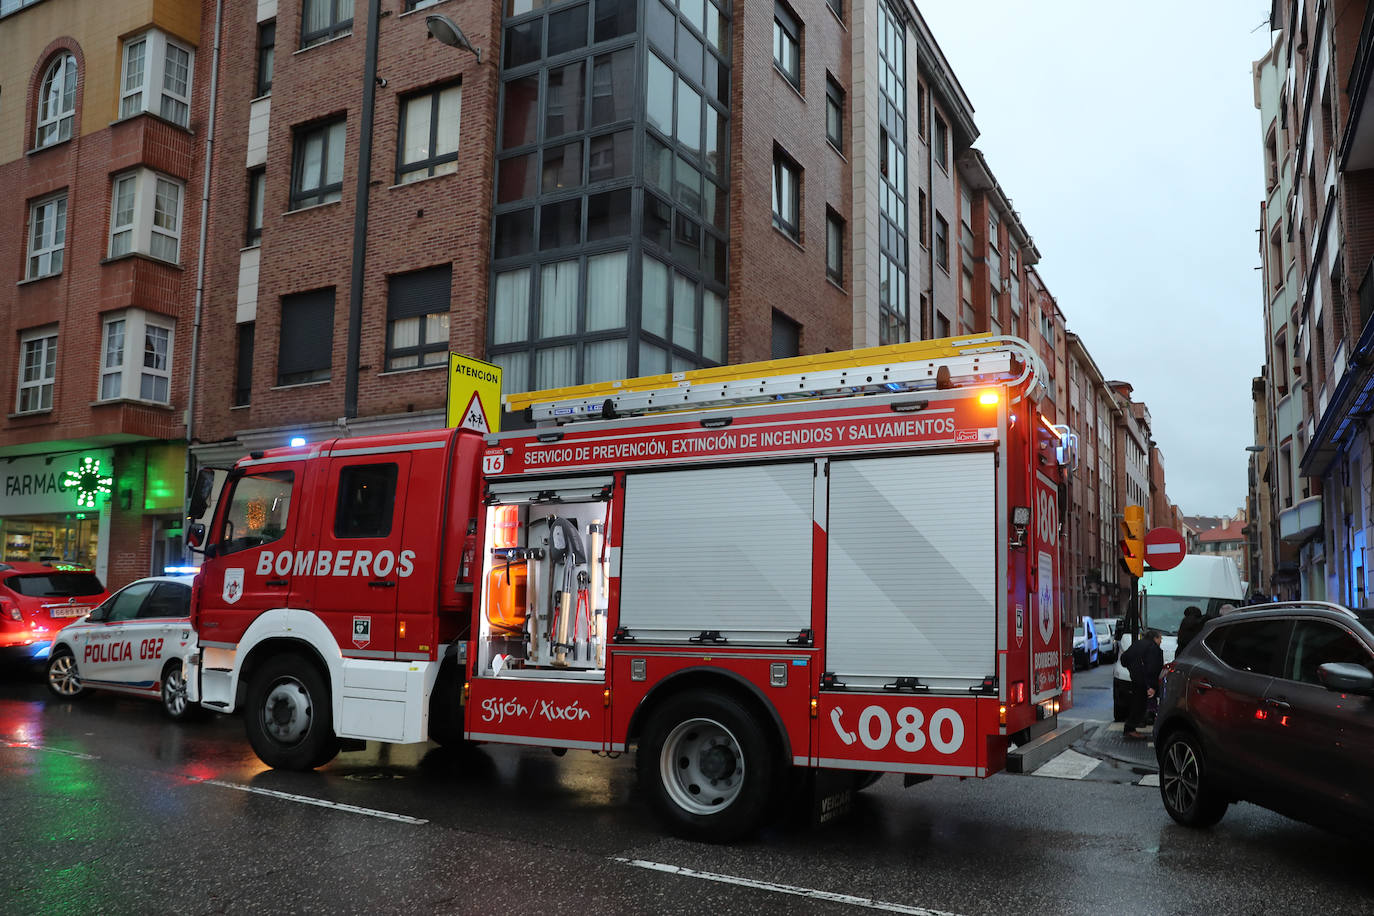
[1144,660]
[1191,625]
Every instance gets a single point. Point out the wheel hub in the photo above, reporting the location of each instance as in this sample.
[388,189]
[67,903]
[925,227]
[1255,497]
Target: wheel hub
[702,766]
[286,712]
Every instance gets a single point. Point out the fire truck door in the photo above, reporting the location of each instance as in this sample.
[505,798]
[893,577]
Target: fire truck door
[360,559]
[255,542]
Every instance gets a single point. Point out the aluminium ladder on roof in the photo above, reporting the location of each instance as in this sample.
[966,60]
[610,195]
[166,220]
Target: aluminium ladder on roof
[897,367]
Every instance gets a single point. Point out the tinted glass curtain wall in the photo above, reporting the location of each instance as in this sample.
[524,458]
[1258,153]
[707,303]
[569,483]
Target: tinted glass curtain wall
[611,215]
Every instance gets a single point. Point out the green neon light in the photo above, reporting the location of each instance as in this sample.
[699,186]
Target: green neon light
[88,482]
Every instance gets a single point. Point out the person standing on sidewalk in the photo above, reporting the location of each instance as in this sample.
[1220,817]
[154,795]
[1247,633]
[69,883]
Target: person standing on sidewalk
[1144,660]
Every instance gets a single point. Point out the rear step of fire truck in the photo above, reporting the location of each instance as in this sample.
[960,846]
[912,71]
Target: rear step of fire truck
[945,363]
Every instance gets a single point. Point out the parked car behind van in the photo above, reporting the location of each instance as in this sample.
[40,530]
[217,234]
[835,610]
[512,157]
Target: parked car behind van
[1085,651]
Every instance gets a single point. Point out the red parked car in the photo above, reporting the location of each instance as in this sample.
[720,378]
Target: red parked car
[37,600]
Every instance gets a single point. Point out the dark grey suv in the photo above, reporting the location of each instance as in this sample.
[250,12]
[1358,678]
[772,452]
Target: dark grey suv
[1272,705]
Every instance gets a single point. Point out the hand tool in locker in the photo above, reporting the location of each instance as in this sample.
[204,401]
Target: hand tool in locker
[566,548]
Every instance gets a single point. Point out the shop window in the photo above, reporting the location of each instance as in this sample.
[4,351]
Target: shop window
[57,101]
[37,368]
[367,501]
[144,373]
[417,314]
[322,20]
[428,144]
[317,170]
[145,215]
[156,78]
[306,346]
[47,236]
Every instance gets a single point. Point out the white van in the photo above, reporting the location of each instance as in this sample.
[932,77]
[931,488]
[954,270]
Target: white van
[1210,583]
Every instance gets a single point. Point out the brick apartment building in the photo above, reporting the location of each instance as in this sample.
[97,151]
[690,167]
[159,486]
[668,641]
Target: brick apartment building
[99,145]
[611,188]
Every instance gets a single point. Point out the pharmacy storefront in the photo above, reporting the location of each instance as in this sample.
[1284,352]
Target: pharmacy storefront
[57,508]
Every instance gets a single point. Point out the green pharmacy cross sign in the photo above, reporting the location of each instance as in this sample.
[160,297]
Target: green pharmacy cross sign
[88,482]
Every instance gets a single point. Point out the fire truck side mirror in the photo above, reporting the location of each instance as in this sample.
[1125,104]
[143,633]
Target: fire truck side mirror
[195,536]
[200,496]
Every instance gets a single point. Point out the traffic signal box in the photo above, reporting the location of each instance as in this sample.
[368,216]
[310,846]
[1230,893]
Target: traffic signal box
[1133,540]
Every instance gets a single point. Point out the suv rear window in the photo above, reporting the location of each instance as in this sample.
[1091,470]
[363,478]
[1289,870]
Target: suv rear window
[55,585]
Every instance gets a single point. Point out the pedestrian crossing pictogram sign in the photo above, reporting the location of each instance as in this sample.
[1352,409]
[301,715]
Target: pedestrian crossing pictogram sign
[474,394]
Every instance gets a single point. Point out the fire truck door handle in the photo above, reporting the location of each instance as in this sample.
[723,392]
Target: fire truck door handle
[270,583]
[381,583]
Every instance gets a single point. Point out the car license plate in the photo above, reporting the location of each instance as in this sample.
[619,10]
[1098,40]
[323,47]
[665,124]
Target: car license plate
[69,610]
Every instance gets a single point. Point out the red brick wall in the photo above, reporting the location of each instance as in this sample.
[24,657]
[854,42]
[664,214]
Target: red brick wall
[767,269]
[444,219]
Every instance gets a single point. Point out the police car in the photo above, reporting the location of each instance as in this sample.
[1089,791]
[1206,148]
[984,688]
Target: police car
[135,642]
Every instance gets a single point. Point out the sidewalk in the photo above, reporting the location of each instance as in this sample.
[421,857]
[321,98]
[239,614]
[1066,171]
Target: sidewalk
[1103,740]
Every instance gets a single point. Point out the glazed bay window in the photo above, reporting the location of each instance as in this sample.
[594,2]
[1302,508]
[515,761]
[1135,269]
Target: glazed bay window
[37,368]
[305,350]
[322,20]
[428,144]
[136,357]
[145,215]
[156,78]
[317,169]
[786,195]
[57,101]
[417,309]
[47,236]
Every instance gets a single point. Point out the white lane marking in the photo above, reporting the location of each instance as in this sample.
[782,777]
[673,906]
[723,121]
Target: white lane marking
[1151,780]
[318,802]
[53,750]
[810,893]
[1068,765]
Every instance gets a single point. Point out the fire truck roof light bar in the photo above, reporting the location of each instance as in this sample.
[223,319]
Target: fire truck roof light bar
[899,367]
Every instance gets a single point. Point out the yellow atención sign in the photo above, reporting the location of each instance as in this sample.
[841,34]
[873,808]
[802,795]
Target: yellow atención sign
[474,394]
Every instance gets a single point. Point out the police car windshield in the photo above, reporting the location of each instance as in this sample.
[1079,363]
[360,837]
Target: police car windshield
[55,585]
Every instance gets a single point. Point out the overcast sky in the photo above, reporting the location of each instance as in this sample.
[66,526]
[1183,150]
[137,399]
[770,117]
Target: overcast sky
[1127,138]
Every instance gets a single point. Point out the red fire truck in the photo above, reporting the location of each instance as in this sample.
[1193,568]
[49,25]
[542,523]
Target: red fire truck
[845,562]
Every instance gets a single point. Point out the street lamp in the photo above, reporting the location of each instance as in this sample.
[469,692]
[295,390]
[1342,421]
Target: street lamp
[447,31]
[1256,448]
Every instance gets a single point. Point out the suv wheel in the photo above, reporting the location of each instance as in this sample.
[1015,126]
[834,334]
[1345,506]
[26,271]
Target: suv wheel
[1188,797]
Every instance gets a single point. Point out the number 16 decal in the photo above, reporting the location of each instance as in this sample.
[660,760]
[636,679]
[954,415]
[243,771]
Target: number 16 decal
[944,732]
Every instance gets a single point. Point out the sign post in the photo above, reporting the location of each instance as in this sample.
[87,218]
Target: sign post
[474,394]
[1164,548]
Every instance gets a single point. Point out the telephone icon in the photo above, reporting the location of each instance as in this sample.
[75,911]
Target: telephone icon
[846,736]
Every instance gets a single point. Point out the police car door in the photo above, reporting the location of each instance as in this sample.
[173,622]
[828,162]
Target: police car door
[360,538]
[163,628]
[110,655]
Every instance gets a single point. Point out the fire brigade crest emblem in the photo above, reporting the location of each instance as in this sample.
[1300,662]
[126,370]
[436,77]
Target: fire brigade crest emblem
[233,585]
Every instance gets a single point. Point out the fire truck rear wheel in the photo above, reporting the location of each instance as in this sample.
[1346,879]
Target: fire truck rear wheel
[708,765]
[289,718]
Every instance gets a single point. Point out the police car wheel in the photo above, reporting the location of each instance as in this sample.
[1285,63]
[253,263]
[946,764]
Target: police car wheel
[62,678]
[174,701]
[288,718]
[708,766]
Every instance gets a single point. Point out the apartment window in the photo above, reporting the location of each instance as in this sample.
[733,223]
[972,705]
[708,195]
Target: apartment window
[47,236]
[834,246]
[786,336]
[941,241]
[37,368]
[317,172]
[57,101]
[837,7]
[145,215]
[412,5]
[923,218]
[941,326]
[428,144]
[322,20]
[145,373]
[305,349]
[267,48]
[786,194]
[834,113]
[787,44]
[243,367]
[417,307]
[940,142]
[921,125]
[257,187]
[157,78]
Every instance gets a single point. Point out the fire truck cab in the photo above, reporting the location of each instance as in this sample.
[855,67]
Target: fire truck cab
[846,562]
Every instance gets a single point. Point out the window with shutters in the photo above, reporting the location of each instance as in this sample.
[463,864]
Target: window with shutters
[417,307]
[305,348]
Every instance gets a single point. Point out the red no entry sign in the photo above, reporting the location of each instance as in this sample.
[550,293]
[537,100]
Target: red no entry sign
[1164,548]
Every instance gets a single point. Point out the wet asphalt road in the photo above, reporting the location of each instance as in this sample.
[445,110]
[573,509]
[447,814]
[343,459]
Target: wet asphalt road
[105,807]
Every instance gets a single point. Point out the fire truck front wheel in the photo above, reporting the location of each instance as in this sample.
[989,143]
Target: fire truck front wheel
[708,765]
[288,716]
